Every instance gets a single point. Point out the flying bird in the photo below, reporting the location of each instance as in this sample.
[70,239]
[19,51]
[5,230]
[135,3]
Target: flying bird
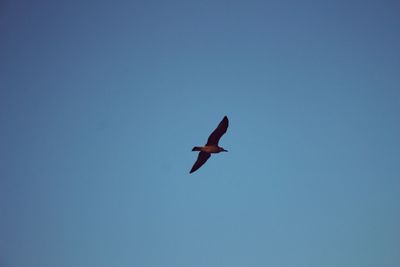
[211,146]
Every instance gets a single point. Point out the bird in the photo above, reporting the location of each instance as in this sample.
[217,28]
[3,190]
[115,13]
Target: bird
[212,145]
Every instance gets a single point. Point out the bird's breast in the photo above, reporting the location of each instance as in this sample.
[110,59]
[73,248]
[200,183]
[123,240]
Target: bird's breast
[210,149]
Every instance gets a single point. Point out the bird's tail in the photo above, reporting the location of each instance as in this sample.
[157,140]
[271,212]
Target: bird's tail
[196,148]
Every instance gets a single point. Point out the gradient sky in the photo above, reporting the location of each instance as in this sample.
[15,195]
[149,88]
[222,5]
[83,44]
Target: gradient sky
[102,101]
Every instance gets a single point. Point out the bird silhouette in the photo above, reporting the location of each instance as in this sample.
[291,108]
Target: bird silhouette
[211,146]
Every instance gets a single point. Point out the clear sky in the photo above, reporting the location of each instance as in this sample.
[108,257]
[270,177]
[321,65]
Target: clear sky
[101,103]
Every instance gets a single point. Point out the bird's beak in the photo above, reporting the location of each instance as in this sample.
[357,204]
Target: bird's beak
[225,150]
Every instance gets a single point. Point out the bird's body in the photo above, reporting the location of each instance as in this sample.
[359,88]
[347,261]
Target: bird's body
[212,145]
[208,149]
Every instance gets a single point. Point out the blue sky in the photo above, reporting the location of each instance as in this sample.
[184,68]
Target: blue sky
[101,103]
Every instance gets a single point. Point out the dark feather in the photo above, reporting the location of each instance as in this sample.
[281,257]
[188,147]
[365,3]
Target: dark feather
[201,159]
[218,132]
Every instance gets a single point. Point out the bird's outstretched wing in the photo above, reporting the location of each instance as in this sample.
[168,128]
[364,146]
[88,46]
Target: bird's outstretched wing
[201,159]
[218,132]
